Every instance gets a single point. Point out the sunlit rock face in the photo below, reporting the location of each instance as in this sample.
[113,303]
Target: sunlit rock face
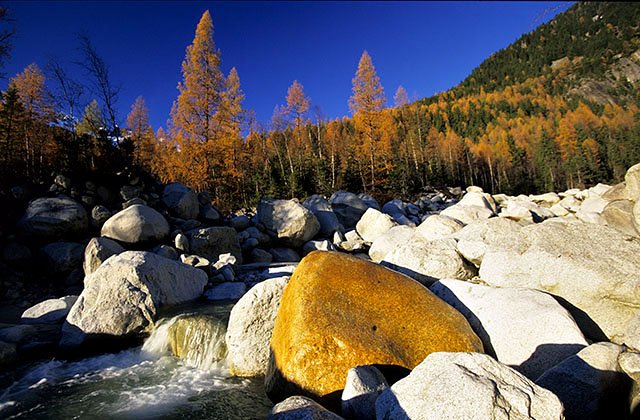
[339,311]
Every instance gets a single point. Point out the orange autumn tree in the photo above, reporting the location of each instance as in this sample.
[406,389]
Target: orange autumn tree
[38,146]
[205,118]
[365,104]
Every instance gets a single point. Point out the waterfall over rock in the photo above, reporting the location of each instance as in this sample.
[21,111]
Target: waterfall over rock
[196,339]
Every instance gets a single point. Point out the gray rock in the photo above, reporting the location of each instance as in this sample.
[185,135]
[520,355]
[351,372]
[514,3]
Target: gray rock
[592,267]
[166,251]
[632,183]
[619,215]
[240,223]
[130,192]
[50,311]
[250,326]
[301,408]
[260,255]
[226,291]
[467,214]
[284,255]
[393,238]
[54,218]
[211,242]
[209,214]
[181,242]
[590,384]
[373,224]
[348,208]
[474,238]
[122,297]
[369,201]
[136,224]
[181,200]
[97,252]
[288,221]
[62,257]
[476,197]
[428,261]
[466,386]
[99,215]
[62,181]
[323,211]
[438,227]
[513,324]
[364,385]
[352,242]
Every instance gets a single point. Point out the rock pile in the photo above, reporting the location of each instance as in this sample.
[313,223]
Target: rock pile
[482,306]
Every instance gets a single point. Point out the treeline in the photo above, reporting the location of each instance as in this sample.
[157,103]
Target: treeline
[516,137]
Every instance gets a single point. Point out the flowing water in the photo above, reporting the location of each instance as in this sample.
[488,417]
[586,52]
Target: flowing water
[144,382]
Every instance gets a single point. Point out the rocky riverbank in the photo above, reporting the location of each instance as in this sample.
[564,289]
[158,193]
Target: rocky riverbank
[455,305]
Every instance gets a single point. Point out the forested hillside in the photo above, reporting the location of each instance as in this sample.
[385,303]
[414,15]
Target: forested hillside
[556,109]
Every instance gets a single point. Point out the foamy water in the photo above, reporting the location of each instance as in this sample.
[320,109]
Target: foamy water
[143,382]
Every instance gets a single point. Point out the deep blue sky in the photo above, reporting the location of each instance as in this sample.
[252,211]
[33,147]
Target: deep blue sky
[427,47]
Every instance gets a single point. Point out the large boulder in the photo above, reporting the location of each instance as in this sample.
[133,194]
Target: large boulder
[474,238]
[121,298]
[250,325]
[181,200]
[136,224]
[54,218]
[619,215]
[438,227]
[374,224]
[390,240]
[211,242]
[467,214]
[348,208]
[288,221]
[513,324]
[466,386]
[591,384]
[428,261]
[339,311]
[97,252]
[328,220]
[592,267]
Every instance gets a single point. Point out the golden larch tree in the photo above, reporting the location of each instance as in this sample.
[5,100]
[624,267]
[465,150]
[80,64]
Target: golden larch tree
[38,104]
[365,104]
[193,114]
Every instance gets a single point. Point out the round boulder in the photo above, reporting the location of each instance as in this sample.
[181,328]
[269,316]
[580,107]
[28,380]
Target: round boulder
[288,221]
[181,200]
[136,224]
[54,218]
[339,311]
